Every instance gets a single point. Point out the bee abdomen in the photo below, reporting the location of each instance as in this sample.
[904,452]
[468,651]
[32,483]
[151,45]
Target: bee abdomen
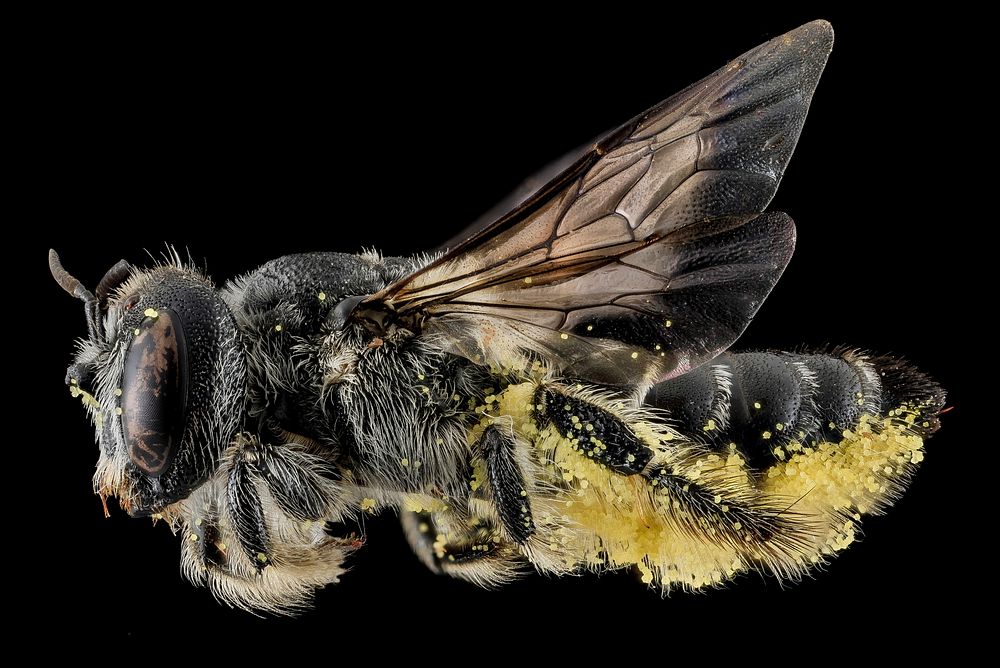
[762,401]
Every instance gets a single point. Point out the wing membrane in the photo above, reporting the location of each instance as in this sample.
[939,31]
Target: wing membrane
[650,254]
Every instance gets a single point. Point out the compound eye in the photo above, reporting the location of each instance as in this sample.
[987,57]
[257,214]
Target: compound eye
[154,393]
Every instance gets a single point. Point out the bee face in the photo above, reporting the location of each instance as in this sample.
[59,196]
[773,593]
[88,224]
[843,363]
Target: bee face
[162,375]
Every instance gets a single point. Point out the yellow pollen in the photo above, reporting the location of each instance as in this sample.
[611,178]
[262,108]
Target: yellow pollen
[564,336]
[151,313]
[278,327]
[322,296]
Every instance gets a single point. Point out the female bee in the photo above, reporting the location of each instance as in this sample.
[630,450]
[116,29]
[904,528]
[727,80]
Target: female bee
[554,391]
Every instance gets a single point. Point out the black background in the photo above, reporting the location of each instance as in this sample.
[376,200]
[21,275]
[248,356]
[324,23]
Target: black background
[245,142]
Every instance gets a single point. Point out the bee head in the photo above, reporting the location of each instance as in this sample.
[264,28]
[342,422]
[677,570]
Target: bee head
[162,374]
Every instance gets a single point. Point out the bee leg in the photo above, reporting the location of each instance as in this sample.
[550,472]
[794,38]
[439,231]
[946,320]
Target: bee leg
[700,495]
[594,427]
[468,549]
[302,486]
[507,485]
[205,542]
[299,484]
[420,530]
[246,512]
[258,534]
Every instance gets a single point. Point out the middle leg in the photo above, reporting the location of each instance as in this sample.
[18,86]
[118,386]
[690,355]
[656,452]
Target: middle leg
[470,548]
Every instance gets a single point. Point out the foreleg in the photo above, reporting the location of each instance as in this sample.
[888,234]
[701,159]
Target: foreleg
[257,533]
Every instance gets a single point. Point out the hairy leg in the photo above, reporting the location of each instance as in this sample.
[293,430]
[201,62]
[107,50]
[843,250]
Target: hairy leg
[469,548]
[700,495]
[257,532]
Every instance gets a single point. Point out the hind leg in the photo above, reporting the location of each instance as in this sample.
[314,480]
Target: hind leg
[609,485]
[702,493]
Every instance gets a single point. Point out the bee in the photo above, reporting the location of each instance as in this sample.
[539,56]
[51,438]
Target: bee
[555,392]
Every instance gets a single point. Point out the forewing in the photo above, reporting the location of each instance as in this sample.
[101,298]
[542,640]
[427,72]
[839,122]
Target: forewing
[519,195]
[649,255]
